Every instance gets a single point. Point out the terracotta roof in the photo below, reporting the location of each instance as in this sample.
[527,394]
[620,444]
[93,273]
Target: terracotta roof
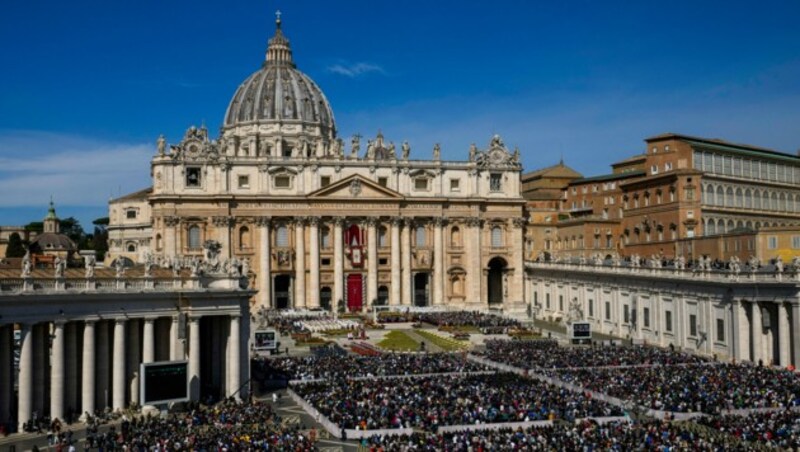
[558,170]
[141,194]
[727,145]
[605,177]
[635,158]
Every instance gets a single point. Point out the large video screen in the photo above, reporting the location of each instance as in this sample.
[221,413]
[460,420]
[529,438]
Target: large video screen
[164,382]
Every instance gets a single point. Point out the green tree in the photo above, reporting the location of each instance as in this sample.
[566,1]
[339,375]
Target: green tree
[35,226]
[15,246]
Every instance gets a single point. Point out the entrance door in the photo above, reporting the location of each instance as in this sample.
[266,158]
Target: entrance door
[282,287]
[355,294]
[421,289]
[495,288]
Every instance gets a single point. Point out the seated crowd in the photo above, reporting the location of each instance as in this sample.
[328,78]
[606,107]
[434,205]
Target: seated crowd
[226,426]
[706,389]
[428,402]
[776,429]
[586,435]
[465,318]
[546,354]
[335,366]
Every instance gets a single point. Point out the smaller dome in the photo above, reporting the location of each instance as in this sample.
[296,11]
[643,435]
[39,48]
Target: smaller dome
[50,241]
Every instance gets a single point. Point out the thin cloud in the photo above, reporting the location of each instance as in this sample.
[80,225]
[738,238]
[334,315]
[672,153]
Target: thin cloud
[82,171]
[355,69]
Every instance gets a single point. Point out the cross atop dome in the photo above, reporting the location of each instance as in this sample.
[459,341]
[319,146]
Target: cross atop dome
[278,50]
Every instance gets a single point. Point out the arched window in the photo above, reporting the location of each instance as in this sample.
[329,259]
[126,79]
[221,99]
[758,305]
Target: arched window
[764,200]
[774,204]
[748,199]
[720,226]
[782,202]
[455,236]
[325,238]
[711,228]
[281,236]
[194,237]
[730,226]
[457,285]
[497,237]
[159,243]
[729,197]
[739,198]
[421,240]
[709,195]
[720,199]
[382,237]
[244,238]
[131,247]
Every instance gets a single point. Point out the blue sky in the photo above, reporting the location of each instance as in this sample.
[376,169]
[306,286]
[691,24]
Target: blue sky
[86,87]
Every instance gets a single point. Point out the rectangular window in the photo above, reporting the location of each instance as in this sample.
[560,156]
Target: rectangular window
[131,215]
[561,303]
[192,177]
[720,330]
[455,184]
[324,181]
[495,182]
[244,181]
[326,261]
[591,308]
[626,314]
[383,261]
[772,242]
[283,181]
[547,300]
[421,183]
[608,310]
[383,181]
[796,242]
[692,325]
[668,321]
[646,317]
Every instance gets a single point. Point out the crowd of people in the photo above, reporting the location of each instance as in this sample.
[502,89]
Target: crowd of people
[701,388]
[335,366]
[428,402]
[229,425]
[585,435]
[774,429]
[547,354]
[466,318]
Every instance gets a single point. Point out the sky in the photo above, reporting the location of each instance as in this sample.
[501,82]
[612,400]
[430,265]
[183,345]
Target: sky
[87,87]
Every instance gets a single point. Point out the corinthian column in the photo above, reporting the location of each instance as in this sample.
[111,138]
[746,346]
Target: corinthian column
[372,262]
[87,372]
[235,360]
[338,263]
[394,299]
[194,357]
[264,297]
[170,241]
[438,262]
[223,226]
[474,270]
[406,258]
[25,400]
[313,299]
[300,263]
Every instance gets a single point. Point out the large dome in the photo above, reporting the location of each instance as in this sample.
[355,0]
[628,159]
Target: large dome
[278,93]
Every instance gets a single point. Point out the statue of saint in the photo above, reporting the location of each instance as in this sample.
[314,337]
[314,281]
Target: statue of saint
[406,150]
[89,266]
[161,144]
[437,151]
[473,152]
[356,146]
[370,149]
[391,150]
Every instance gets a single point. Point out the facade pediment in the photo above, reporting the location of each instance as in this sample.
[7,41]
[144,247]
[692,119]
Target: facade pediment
[353,187]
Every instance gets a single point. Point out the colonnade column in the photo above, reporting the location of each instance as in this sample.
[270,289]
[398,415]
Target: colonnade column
[57,372]
[313,232]
[784,337]
[758,333]
[134,354]
[394,299]
[264,296]
[300,263]
[235,359]
[338,263]
[118,371]
[438,262]
[194,357]
[796,334]
[174,351]
[25,388]
[372,262]
[406,267]
[6,369]
[71,366]
[87,372]
[148,341]
[743,331]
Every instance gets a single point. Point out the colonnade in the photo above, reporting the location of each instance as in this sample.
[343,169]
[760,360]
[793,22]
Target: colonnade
[67,368]
[758,335]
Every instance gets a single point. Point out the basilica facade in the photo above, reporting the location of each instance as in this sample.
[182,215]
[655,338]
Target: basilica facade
[321,222]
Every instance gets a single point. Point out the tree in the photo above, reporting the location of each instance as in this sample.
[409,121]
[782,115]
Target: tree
[99,242]
[35,226]
[15,246]
[72,228]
